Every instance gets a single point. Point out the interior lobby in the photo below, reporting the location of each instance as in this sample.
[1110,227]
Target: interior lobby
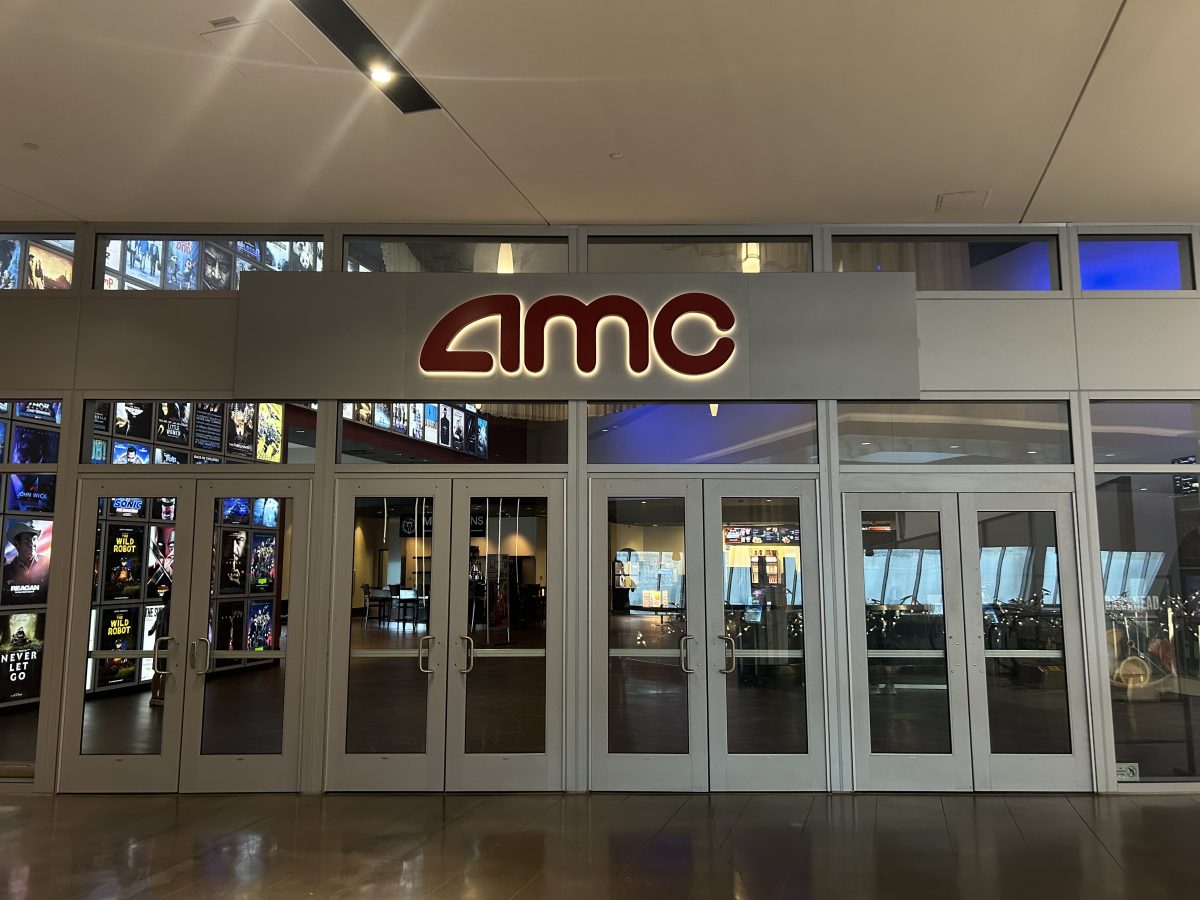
[604,449]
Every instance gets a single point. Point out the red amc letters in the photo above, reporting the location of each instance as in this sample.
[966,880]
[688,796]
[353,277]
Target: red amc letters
[438,358]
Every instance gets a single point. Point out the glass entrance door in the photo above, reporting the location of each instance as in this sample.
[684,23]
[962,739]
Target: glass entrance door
[187,614]
[966,655]
[702,639]
[447,673]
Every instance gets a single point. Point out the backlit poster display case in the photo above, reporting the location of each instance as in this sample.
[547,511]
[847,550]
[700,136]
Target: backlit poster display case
[36,262]
[21,645]
[457,428]
[172,263]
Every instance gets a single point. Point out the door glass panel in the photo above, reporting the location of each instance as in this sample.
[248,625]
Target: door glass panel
[647,687]
[134,565]
[387,603]
[905,632]
[506,622]
[1024,657]
[247,626]
[766,702]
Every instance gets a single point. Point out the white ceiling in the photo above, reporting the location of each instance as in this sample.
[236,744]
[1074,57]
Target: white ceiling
[763,111]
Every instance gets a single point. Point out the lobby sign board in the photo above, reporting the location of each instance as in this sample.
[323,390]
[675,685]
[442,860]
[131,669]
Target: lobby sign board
[586,337]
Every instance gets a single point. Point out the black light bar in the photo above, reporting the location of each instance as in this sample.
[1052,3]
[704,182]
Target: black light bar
[370,55]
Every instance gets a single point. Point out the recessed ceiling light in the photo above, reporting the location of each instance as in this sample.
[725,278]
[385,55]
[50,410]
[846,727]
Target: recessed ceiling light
[617,155]
[954,446]
[1031,451]
[30,145]
[382,75]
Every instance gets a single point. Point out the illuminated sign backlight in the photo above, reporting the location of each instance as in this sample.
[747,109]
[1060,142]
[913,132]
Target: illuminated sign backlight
[522,334]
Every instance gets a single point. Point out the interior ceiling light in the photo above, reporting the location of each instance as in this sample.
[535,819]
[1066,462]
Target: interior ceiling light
[359,44]
[504,259]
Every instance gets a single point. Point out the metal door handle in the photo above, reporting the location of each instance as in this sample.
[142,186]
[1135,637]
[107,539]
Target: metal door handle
[730,655]
[469,645]
[158,652]
[207,654]
[421,654]
[683,654]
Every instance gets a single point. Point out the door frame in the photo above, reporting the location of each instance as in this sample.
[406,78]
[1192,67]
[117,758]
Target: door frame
[387,771]
[135,773]
[639,771]
[248,772]
[765,772]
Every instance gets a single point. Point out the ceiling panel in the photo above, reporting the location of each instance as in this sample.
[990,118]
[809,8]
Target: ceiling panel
[828,110]
[139,118]
[1131,151]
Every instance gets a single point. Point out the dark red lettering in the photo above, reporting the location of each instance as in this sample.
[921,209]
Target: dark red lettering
[436,355]
[693,303]
[587,318]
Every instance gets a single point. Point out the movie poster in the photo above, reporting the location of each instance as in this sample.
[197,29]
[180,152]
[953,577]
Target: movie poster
[21,655]
[166,456]
[38,411]
[118,632]
[306,256]
[207,429]
[444,425]
[201,459]
[123,562]
[269,431]
[364,413]
[275,255]
[162,508]
[112,256]
[161,571]
[183,265]
[133,420]
[240,266]
[174,423]
[252,249]
[235,511]
[234,552]
[231,628]
[481,447]
[471,439]
[218,269]
[239,441]
[416,421]
[266,512]
[31,493]
[10,264]
[102,418]
[126,508]
[46,270]
[99,452]
[400,418]
[431,423]
[457,426]
[144,259]
[260,635]
[33,446]
[262,563]
[149,618]
[383,416]
[128,454]
[27,544]
[3,439]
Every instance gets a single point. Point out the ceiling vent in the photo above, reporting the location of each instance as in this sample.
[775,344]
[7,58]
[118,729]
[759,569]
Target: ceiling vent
[954,202]
[257,47]
[225,22]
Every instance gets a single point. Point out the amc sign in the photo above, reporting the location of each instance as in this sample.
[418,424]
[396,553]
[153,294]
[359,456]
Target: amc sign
[521,334]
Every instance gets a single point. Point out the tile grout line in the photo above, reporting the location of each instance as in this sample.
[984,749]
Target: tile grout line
[1093,833]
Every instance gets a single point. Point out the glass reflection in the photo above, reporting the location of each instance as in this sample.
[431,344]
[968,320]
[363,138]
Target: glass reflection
[1025,663]
[1150,563]
[647,687]
[766,703]
[905,632]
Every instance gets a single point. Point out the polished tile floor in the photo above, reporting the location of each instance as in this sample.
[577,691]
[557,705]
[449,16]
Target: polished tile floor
[580,846]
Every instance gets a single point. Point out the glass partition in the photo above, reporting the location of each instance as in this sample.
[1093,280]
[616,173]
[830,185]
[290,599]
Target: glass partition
[36,262]
[991,432]
[29,436]
[190,263]
[176,432]
[1135,262]
[1150,564]
[701,433]
[699,254]
[453,432]
[991,262]
[1140,432]
[504,256]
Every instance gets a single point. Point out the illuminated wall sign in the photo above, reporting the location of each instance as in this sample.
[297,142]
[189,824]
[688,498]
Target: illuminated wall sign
[711,337]
[517,327]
